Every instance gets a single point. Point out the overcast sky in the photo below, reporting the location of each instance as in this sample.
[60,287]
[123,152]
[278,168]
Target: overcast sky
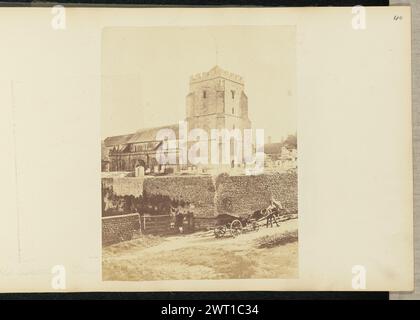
[146,74]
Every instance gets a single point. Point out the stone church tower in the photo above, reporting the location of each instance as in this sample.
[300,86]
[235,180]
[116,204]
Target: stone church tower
[217,101]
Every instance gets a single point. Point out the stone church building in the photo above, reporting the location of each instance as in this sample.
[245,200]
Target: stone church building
[216,100]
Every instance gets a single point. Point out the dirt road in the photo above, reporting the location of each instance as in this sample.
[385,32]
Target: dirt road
[266,253]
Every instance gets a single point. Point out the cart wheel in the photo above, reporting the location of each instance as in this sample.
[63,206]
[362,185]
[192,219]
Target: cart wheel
[236,228]
[219,232]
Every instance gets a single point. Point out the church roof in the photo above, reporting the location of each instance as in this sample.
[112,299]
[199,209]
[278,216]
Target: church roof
[117,140]
[142,135]
[149,135]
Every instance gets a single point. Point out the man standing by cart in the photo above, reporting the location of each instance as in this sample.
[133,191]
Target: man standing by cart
[276,204]
[273,209]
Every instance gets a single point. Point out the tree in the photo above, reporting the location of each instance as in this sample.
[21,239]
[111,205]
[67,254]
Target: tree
[291,141]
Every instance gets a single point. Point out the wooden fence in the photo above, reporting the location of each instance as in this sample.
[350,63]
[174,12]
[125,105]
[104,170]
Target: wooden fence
[157,224]
[165,224]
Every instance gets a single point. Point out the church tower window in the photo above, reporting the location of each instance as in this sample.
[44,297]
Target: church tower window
[204,94]
[233,93]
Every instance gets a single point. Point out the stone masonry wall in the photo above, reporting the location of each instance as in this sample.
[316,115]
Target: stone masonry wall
[235,195]
[119,228]
[197,190]
[242,195]
[224,194]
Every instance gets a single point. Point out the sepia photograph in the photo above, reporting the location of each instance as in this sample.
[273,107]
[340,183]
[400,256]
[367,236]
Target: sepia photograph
[216,150]
[199,153]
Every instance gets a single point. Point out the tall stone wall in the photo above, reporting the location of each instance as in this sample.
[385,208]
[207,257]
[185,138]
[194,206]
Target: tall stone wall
[197,190]
[224,194]
[241,195]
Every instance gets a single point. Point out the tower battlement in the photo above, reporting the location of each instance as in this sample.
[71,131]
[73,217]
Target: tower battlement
[216,72]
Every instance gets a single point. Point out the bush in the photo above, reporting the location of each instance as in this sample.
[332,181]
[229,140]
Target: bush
[113,204]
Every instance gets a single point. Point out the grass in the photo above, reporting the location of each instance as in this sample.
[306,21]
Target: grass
[185,263]
[275,240]
[142,242]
